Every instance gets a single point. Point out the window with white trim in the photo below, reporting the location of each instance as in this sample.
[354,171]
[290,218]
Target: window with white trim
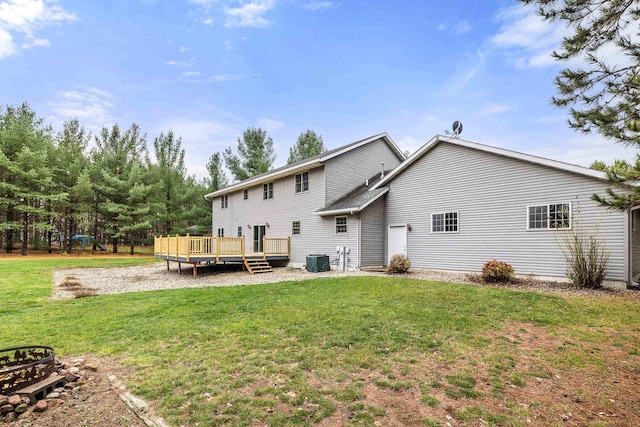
[245,194]
[224,201]
[445,222]
[341,225]
[295,228]
[555,216]
[302,182]
[267,191]
[239,231]
[220,232]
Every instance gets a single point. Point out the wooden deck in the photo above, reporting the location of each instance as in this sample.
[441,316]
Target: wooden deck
[206,249]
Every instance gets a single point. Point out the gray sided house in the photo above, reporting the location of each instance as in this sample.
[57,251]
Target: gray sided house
[452,205]
[311,202]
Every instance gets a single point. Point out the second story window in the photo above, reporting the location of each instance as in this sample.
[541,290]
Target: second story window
[224,201]
[267,191]
[302,182]
[245,194]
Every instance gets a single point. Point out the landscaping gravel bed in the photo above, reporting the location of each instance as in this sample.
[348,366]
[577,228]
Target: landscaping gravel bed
[155,276]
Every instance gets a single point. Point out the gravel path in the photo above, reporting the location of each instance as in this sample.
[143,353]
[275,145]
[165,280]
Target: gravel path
[115,280]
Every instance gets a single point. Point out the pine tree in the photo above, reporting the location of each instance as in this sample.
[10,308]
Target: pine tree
[601,96]
[255,155]
[309,144]
[217,179]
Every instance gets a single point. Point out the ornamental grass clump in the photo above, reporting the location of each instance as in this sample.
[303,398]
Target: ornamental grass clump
[495,271]
[399,264]
[586,259]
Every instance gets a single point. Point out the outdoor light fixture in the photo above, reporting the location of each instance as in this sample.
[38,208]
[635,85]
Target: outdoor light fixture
[267,224]
[409,227]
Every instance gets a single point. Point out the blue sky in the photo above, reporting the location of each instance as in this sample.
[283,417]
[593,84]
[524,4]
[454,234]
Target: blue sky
[208,69]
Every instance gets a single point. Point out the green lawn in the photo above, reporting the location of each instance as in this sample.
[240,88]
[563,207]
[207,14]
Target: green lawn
[297,353]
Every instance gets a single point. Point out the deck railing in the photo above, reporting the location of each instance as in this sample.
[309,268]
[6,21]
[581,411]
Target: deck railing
[199,246]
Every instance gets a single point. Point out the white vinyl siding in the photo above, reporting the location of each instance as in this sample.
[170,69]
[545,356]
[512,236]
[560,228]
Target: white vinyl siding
[446,222]
[494,193]
[351,169]
[302,182]
[373,232]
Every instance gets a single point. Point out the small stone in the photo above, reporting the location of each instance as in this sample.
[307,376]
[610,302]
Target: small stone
[25,415]
[90,367]
[53,395]
[77,362]
[64,395]
[10,417]
[15,400]
[112,378]
[74,369]
[23,407]
[69,386]
[58,389]
[76,389]
[54,403]
[4,400]
[71,377]
[41,406]
[6,409]
[566,417]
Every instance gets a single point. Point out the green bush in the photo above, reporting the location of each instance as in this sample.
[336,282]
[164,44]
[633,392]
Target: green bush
[497,271]
[399,264]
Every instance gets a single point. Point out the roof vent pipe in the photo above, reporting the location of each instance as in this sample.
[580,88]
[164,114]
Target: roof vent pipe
[366,183]
[382,172]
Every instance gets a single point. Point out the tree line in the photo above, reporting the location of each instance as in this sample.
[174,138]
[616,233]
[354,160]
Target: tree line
[57,185]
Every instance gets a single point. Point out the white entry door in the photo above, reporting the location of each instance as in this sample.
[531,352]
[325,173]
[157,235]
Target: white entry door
[397,243]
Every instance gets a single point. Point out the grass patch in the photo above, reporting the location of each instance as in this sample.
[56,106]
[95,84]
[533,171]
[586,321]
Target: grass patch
[300,346]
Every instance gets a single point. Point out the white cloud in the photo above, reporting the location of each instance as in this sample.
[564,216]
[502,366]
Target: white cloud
[207,20]
[464,74]
[270,125]
[490,109]
[319,5]
[249,14]
[183,49]
[191,73]
[24,18]
[526,38]
[442,27]
[461,27]
[92,106]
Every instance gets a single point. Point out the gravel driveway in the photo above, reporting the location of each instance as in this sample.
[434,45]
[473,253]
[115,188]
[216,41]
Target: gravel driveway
[155,276]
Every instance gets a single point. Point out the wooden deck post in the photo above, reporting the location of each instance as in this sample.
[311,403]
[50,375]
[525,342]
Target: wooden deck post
[189,248]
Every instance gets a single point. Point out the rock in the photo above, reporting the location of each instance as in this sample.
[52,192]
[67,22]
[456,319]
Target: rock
[69,385]
[90,367]
[21,408]
[54,403]
[25,415]
[4,400]
[53,395]
[41,406]
[112,378]
[77,362]
[10,417]
[74,370]
[72,377]
[6,409]
[58,389]
[64,395]
[15,400]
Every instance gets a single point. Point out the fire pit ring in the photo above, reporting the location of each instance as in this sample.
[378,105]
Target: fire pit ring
[23,366]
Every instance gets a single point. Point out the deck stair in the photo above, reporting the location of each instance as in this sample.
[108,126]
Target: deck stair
[257,264]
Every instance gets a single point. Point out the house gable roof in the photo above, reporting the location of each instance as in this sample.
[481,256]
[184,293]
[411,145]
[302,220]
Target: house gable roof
[433,142]
[311,162]
[357,199]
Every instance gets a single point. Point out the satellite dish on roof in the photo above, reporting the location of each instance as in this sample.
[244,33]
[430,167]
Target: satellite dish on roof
[457,128]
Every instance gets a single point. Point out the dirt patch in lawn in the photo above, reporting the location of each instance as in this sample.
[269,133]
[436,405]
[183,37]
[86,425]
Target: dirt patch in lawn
[95,404]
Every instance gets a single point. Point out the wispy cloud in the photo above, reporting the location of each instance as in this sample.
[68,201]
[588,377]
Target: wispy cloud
[319,5]
[24,18]
[464,74]
[270,125]
[93,106]
[490,109]
[249,15]
[525,38]
[458,28]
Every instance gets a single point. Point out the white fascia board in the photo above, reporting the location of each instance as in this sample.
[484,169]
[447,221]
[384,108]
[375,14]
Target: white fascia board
[311,164]
[555,164]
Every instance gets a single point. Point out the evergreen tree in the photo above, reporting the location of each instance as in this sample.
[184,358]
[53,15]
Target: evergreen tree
[114,156]
[255,155]
[309,144]
[25,185]
[71,174]
[169,176]
[217,179]
[601,96]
